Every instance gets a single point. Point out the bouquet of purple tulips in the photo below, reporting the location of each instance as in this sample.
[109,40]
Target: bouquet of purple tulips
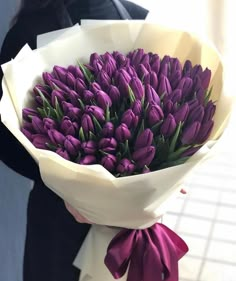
[131,113]
[116,132]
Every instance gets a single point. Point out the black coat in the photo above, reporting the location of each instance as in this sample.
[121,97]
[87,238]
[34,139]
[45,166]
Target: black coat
[53,236]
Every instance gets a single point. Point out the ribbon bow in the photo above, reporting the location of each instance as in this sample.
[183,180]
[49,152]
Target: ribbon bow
[151,254]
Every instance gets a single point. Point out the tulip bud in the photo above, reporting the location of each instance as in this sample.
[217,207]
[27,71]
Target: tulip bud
[28,113]
[27,133]
[130,119]
[189,152]
[155,63]
[44,90]
[209,112]
[28,126]
[190,133]
[136,57]
[151,79]
[196,70]
[57,95]
[49,123]
[142,71]
[70,80]
[47,78]
[76,71]
[108,130]
[114,94]
[74,98]
[122,133]
[144,139]
[109,64]
[168,126]
[154,114]
[182,113]
[164,70]
[151,95]
[88,160]
[109,162]
[176,96]
[80,86]
[196,114]
[72,145]
[144,156]
[137,88]
[94,87]
[103,79]
[185,85]
[187,68]
[60,73]
[175,79]
[204,131]
[131,71]
[103,100]
[40,141]
[125,167]
[205,78]
[37,124]
[68,127]
[88,96]
[55,84]
[121,60]
[56,137]
[95,111]
[87,124]
[63,153]
[107,144]
[66,107]
[168,106]
[94,57]
[122,80]
[137,107]
[89,147]
[193,104]
[164,86]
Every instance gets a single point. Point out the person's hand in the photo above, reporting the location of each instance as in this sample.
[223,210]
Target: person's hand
[77,216]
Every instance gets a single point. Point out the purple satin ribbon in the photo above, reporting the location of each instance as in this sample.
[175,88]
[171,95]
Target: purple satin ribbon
[151,254]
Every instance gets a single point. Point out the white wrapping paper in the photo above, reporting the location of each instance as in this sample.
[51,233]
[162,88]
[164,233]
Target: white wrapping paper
[131,202]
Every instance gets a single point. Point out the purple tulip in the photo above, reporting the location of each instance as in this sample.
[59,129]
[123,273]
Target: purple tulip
[57,95]
[193,104]
[89,147]
[80,86]
[176,96]
[209,112]
[131,71]
[74,98]
[55,84]
[66,106]
[70,80]
[76,71]
[114,94]
[204,131]
[56,137]
[74,114]
[109,64]
[142,71]
[108,130]
[185,85]
[125,167]
[205,78]
[196,70]
[190,133]
[182,113]
[187,68]
[122,133]
[155,63]
[60,73]
[200,95]
[164,70]
[94,57]
[40,141]
[68,127]
[168,106]
[151,79]
[87,124]
[168,126]
[107,144]
[137,107]
[94,87]
[95,111]
[88,96]
[28,134]
[144,139]
[130,119]
[49,123]
[28,113]
[144,156]
[137,88]
[63,153]
[47,78]
[121,60]
[164,86]
[103,100]
[38,125]
[122,81]
[151,95]
[109,162]
[72,145]
[44,90]
[28,126]
[136,57]
[88,160]
[196,114]
[154,114]
[103,79]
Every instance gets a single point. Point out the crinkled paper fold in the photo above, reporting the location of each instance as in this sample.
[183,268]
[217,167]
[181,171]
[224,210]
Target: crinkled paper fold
[135,201]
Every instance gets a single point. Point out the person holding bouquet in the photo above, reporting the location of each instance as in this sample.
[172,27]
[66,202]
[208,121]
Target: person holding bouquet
[53,235]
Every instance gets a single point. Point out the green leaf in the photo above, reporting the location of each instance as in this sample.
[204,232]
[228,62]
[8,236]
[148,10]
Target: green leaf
[131,95]
[97,125]
[175,155]
[81,134]
[92,136]
[81,103]
[87,73]
[51,146]
[108,114]
[175,137]
[156,127]
[208,95]
[174,163]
